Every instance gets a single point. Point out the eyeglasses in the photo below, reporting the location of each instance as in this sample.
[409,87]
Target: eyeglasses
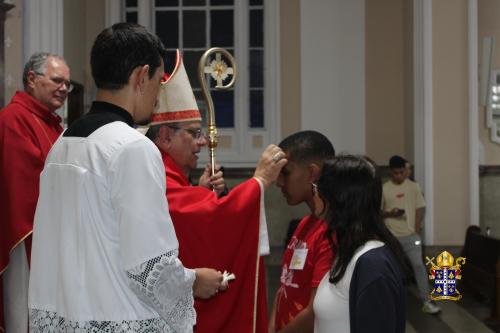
[58,81]
[196,133]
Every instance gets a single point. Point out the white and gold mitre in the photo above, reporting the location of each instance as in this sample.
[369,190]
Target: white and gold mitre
[176,101]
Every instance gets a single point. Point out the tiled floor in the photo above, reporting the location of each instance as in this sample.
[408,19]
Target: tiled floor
[465,316]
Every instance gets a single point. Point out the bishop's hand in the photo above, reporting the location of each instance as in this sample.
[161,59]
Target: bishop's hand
[215,182]
[270,164]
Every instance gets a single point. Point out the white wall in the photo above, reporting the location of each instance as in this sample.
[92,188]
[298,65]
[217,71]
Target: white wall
[333,71]
[43,27]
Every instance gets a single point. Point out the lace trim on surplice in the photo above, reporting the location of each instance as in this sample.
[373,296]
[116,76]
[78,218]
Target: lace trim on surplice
[162,282]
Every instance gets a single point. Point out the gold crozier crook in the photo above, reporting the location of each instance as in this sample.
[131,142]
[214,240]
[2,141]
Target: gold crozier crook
[219,70]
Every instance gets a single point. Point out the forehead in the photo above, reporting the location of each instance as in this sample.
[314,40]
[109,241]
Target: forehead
[190,124]
[292,166]
[57,66]
[397,170]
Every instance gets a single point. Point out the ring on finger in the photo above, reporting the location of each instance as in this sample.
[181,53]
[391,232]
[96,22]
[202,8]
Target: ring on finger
[278,156]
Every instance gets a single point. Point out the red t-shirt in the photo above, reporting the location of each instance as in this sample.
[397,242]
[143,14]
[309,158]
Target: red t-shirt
[294,293]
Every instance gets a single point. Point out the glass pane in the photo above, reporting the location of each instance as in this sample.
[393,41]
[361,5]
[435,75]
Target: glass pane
[193,2]
[221,29]
[170,62]
[256,28]
[201,106]
[191,59]
[131,3]
[255,2]
[194,28]
[256,69]
[224,106]
[167,28]
[131,17]
[166,3]
[221,2]
[256,109]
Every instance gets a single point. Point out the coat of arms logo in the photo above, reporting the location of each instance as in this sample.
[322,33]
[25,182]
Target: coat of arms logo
[445,275]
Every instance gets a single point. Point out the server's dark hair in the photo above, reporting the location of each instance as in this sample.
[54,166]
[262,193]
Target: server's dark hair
[119,49]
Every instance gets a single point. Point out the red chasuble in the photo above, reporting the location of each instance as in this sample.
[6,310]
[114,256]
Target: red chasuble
[27,131]
[221,234]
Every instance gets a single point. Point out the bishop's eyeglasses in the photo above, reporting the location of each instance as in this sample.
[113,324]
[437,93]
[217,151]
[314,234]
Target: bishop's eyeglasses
[196,133]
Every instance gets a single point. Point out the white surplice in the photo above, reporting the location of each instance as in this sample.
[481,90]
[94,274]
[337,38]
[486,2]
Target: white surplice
[104,248]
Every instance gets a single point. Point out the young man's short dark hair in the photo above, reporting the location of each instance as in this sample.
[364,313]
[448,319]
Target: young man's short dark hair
[119,49]
[307,146]
[397,162]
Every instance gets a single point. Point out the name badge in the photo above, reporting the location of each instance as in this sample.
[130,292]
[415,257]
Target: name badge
[298,259]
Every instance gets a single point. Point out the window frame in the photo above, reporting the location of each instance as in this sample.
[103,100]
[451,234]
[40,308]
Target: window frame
[242,153]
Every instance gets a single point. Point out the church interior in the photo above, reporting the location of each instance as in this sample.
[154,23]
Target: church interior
[415,78]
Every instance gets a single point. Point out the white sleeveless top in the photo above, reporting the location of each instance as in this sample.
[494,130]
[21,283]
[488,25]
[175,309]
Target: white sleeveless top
[331,303]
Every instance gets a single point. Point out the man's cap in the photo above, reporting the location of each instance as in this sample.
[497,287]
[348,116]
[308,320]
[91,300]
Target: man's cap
[176,101]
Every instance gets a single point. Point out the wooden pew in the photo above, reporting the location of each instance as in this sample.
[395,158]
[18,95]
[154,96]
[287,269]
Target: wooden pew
[481,272]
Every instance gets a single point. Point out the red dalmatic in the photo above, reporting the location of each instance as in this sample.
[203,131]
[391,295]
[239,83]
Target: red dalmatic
[221,234]
[27,131]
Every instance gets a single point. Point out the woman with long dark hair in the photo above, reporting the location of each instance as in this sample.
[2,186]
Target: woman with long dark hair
[364,290]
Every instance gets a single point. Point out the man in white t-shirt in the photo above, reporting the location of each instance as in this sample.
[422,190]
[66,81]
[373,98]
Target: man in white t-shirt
[105,252]
[403,209]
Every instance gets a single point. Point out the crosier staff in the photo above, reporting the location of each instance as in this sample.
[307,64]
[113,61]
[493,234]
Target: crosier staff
[219,70]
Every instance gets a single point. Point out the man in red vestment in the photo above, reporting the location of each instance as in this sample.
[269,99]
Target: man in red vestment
[28,129]
[227,233]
